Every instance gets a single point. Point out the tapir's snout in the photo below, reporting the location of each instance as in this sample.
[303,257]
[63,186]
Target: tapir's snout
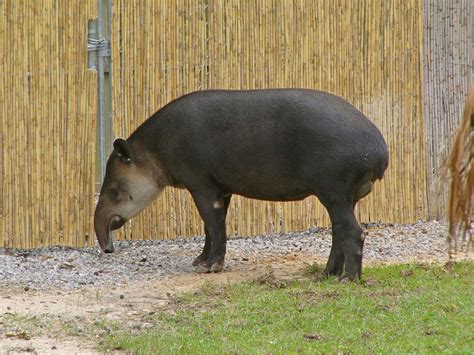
[109,249]
[104,224]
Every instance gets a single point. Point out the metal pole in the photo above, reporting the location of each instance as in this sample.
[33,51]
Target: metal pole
[98,48]
[104,117]
[107,9]
[100,69]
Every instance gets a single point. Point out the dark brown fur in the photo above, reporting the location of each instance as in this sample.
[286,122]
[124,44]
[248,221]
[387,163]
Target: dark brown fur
[277,145]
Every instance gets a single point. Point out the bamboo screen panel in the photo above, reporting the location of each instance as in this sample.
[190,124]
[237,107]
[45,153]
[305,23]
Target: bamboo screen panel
[368,52]
[447,59]
[47,123]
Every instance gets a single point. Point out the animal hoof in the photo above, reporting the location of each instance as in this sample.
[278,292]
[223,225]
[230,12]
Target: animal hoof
[345,279]
[198,260]
[202,268]
[217,267]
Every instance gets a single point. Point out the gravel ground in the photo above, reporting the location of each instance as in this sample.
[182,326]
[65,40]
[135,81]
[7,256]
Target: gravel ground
[70,268]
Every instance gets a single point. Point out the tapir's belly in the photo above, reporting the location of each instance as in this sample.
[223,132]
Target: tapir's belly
[271,187]
[260,174]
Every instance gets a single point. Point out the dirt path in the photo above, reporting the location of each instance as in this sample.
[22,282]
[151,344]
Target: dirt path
[43,322]
[69,298]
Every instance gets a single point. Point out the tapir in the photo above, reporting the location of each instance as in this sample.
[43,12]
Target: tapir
[274,145]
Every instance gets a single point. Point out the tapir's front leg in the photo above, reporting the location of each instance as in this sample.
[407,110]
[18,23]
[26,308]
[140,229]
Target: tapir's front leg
[202,258]
[206,251]
[212,208]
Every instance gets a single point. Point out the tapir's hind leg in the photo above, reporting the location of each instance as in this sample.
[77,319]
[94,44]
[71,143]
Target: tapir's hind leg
[335,264]
[345,258]
[348,238]
[213,210]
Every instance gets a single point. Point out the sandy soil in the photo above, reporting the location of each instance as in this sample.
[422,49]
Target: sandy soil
[59,320]
[44,322]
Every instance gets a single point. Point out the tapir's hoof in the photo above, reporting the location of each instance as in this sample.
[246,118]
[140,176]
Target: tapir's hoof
[344,280]
[202,268]
[218,266]
[347,278]
[199,260]
[333,271]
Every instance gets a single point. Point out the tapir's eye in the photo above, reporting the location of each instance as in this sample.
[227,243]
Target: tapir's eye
[130,197]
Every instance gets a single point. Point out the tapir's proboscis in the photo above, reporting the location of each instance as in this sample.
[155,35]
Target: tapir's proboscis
[274,145]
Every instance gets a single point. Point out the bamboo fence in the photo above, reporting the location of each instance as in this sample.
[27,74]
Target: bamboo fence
[47,124]
[369,52]
[447,58]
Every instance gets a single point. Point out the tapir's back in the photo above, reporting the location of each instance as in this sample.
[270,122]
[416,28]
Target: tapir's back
[246,139]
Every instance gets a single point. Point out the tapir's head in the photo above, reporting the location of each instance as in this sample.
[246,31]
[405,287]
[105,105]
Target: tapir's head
[130,184]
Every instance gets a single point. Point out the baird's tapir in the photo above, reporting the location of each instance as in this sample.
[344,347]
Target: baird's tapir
[274,145]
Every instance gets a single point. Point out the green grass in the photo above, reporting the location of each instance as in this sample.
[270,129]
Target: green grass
[401,308]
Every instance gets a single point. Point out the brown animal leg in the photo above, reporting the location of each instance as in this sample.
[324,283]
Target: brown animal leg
[347,239]
[335,264]
[345,258]
[204,256]
[349,235]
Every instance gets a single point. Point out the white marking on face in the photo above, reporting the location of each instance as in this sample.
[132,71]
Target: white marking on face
[142,191]
[218,204]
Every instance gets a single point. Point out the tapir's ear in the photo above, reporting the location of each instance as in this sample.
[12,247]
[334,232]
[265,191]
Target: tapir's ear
[123,150]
